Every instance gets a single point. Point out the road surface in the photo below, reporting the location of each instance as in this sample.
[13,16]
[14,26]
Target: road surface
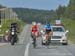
[24,47]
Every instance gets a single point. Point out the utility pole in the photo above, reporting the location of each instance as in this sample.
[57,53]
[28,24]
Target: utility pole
[0,20]
[0,17]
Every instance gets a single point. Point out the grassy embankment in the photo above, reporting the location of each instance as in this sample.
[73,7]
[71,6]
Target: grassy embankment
[6,24]
[70,25]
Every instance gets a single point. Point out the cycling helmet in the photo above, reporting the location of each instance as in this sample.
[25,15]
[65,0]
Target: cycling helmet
[47,26]
[33,23]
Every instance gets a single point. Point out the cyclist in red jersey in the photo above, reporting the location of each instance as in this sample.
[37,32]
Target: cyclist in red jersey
[34,33]
[34,29]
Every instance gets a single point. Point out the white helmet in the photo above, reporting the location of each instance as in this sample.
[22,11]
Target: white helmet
[12,33]
[33,23]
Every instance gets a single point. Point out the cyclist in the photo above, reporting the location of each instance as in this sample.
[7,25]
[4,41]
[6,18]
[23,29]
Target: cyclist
[34,29]
[47,28]
[48,32]
[34,33]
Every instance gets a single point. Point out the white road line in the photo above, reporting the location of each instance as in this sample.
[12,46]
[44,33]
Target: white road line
[27,50]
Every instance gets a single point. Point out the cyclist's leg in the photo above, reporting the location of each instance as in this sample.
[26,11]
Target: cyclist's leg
[49,40]
[36,33]
[48,37]
[33,37]
[34,41]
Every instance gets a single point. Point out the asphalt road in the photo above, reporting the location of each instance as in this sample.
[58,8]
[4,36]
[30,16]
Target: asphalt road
[24,47]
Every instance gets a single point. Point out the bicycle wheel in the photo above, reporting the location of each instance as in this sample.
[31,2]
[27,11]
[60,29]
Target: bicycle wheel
[34,42]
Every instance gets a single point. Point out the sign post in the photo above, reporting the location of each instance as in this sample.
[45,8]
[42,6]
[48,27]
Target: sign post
[58,22]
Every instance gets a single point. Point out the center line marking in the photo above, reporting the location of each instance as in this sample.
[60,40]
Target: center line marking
[27,50]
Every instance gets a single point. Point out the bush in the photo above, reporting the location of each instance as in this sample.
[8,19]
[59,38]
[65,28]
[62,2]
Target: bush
[70,25]
[6,24]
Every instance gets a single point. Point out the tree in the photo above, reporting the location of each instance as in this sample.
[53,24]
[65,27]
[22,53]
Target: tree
[60,11]
[29,15]
[71,9]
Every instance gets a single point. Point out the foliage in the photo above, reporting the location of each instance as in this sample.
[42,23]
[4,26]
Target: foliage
[6,24]
[60,11]
[29,15]
[70,25]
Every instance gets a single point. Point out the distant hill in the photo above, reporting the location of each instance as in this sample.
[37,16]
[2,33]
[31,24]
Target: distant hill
[29,15]
[2,6]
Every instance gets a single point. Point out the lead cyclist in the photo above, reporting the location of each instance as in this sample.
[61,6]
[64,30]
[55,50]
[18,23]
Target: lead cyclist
[34,33]
[48,33]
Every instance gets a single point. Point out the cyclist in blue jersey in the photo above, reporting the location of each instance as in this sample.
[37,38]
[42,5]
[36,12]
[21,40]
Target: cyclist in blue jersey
[48,34]
[47,28]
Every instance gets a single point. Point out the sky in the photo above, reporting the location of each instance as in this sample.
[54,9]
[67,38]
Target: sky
[35,4]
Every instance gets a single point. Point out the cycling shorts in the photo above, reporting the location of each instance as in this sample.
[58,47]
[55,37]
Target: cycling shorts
[48,31]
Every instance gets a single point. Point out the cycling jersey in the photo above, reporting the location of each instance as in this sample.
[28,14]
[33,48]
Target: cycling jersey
[34,28]
[47,27]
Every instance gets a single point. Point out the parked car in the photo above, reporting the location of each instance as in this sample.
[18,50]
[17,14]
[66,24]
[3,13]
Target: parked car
[59,34]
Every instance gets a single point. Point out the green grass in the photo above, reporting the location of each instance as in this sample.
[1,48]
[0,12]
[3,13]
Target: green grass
[6,24]
[70,25]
